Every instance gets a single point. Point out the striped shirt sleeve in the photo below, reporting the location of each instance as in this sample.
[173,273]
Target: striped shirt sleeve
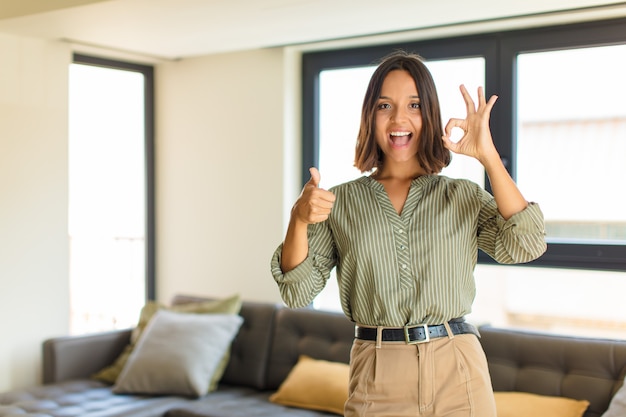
[519,239]
[302,284]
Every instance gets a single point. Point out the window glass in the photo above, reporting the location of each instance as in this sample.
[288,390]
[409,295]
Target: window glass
[449,74]
[107,207]
[551,300]
[341,98]
[571,140]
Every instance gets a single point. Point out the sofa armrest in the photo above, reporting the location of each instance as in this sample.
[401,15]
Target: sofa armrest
[79,357]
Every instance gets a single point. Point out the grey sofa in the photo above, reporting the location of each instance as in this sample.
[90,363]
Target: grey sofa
[268,345]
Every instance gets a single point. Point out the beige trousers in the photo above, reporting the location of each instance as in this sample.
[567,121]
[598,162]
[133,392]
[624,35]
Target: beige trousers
[446,377]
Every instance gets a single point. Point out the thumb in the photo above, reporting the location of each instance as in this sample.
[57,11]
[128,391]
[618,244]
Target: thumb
[315,177]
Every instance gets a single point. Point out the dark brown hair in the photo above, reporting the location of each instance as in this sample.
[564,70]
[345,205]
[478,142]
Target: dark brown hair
[432,155]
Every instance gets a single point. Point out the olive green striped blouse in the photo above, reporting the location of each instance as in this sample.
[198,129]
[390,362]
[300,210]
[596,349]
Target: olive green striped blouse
[412,268]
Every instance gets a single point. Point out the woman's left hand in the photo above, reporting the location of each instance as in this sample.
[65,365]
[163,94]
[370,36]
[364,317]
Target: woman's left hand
[476,141]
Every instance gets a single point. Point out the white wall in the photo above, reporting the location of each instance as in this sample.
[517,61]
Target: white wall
[220,192]
[219,174]
[33,203]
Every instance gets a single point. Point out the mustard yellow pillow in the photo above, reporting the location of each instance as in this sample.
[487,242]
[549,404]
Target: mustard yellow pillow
[523,404]
[315,384]
[230,305]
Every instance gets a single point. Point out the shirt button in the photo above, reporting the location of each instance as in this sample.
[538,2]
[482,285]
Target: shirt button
[402,247]
[400,231]
[403,266]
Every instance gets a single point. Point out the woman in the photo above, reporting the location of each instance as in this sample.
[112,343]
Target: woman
[404,241]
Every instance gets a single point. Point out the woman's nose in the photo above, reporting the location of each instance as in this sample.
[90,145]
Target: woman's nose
[397,114]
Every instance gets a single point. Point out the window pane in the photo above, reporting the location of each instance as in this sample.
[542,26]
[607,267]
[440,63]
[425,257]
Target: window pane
[571,140]
[107,208]
[341,98]
[449,75]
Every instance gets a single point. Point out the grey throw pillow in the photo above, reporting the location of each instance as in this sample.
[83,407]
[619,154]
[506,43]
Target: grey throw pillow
[178,353]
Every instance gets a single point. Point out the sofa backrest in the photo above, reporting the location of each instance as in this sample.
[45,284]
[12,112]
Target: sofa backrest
[318,334]
[579,368]
[250,350]
[272,338]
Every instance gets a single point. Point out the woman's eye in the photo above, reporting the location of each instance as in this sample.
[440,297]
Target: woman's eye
[415,105]
[384,106]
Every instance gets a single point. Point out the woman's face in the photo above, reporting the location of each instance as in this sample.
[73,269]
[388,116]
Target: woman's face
[398,117]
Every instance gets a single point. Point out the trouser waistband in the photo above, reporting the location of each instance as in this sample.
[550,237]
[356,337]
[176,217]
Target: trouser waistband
[421,333]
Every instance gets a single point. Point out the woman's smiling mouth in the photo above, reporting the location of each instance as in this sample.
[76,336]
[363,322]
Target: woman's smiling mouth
[400,139]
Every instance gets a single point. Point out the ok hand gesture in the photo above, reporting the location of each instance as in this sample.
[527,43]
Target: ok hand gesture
[476,141]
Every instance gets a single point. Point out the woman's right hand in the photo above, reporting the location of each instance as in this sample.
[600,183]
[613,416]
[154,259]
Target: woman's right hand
[314,204]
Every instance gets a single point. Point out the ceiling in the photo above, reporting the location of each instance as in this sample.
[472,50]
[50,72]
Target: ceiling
[174,29]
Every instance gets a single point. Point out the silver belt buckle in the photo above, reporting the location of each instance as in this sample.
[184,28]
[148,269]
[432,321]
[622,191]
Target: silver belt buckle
[416,342]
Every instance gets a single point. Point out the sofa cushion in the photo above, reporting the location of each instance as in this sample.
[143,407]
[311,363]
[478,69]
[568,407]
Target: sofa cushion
[577,368]
[523,404]
[315,384]
[317,334]
[237,401]
[84,398]
[178,354]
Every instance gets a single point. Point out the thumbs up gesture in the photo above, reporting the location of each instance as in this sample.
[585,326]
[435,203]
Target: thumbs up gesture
[314,204]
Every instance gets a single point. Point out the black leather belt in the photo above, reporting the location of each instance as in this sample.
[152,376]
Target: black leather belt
[416,334]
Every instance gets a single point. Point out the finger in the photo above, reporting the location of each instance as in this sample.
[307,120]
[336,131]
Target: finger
[321,211]
[326,196]
[322,198]
[311,208]
[319,205]
[469,102]
[315,177]
[447,142]
[452,123]
[452,146]
[491,102]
